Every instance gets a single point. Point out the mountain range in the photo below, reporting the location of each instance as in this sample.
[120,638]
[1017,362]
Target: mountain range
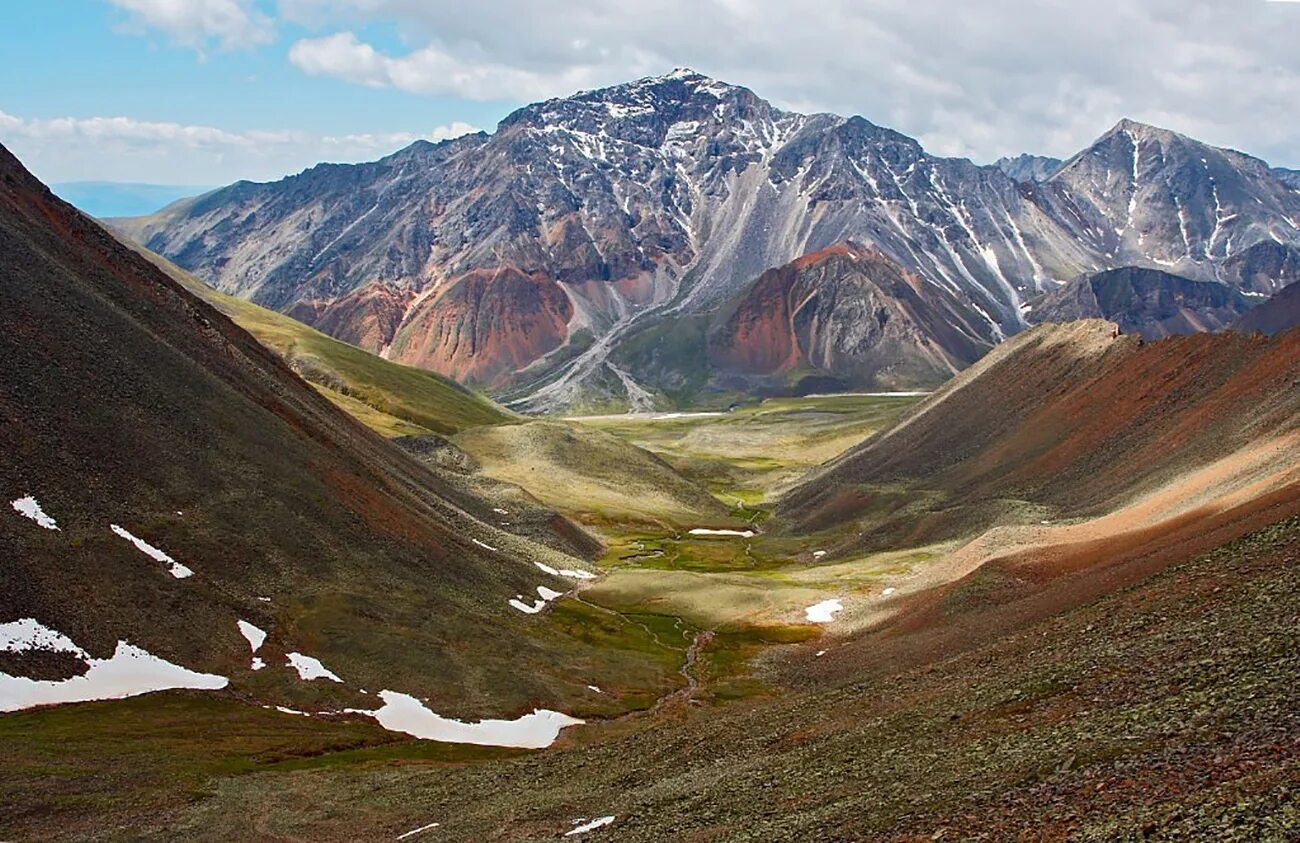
[588,251]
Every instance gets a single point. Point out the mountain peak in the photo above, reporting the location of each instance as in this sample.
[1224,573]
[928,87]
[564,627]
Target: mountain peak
[1140,131]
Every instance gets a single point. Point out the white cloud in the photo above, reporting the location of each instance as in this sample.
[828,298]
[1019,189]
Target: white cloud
[431,71]
[125,149]
[980,79]
[232,24]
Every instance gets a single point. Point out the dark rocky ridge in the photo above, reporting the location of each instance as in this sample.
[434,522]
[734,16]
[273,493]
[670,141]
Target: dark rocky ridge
[1147,302]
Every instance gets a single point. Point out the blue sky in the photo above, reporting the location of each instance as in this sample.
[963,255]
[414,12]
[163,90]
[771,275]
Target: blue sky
[209,91]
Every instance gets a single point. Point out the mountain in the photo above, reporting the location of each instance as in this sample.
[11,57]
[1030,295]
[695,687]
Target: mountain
[1031,168]
[1291,178]
[166,477]
[123,199]
[1142,195]
[1281,312]
[529,260]
[1071,422]
[1146,302]
[849,316]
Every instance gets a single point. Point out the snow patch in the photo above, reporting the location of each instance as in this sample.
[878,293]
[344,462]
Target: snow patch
[823,612]
[175,568]
[31,508]
[416,831]
[484,545]
[252,634]
[130,671]
[702,531]
[404,713]
[518,602]
[888,592]
[586,826]
[309,668]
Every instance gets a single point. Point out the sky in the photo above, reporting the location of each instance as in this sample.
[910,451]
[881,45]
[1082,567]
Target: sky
[205,92]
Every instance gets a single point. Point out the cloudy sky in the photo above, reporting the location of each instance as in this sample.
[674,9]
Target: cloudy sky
[204,92]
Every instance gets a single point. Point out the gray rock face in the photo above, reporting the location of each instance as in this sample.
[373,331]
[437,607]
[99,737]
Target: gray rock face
[1147,302]
[661,199]
[1149,197]
[1029,167]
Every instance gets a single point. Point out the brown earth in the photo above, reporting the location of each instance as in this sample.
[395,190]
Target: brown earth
[368,317]
[1060,422]
[485,326]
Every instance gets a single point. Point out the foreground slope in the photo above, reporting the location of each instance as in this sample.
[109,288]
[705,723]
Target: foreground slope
[1164,711]
[127,401]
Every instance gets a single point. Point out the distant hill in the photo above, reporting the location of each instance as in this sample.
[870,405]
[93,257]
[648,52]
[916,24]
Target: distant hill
[123,199]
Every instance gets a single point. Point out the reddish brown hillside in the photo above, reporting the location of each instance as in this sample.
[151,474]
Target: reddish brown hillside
[1064,421]
[485,326]
[849,312]
[367,317]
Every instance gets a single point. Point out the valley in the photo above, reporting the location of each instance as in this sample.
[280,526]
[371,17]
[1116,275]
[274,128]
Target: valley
[665,464]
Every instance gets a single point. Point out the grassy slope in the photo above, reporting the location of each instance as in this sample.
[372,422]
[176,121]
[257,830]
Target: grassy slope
[591,475]
[393,399]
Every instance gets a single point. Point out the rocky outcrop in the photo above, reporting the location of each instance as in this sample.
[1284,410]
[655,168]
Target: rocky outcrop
[1029,168]
[485,326]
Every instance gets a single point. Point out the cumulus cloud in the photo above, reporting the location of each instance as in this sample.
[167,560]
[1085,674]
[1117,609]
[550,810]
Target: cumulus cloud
[125,149]
[230,24]
[979,79]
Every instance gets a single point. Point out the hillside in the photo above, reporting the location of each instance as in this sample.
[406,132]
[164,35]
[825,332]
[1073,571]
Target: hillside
[1069,422]
[847,316]
[1280,313]
[1146,302]
[535,261]
[396,400]
[195,482]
